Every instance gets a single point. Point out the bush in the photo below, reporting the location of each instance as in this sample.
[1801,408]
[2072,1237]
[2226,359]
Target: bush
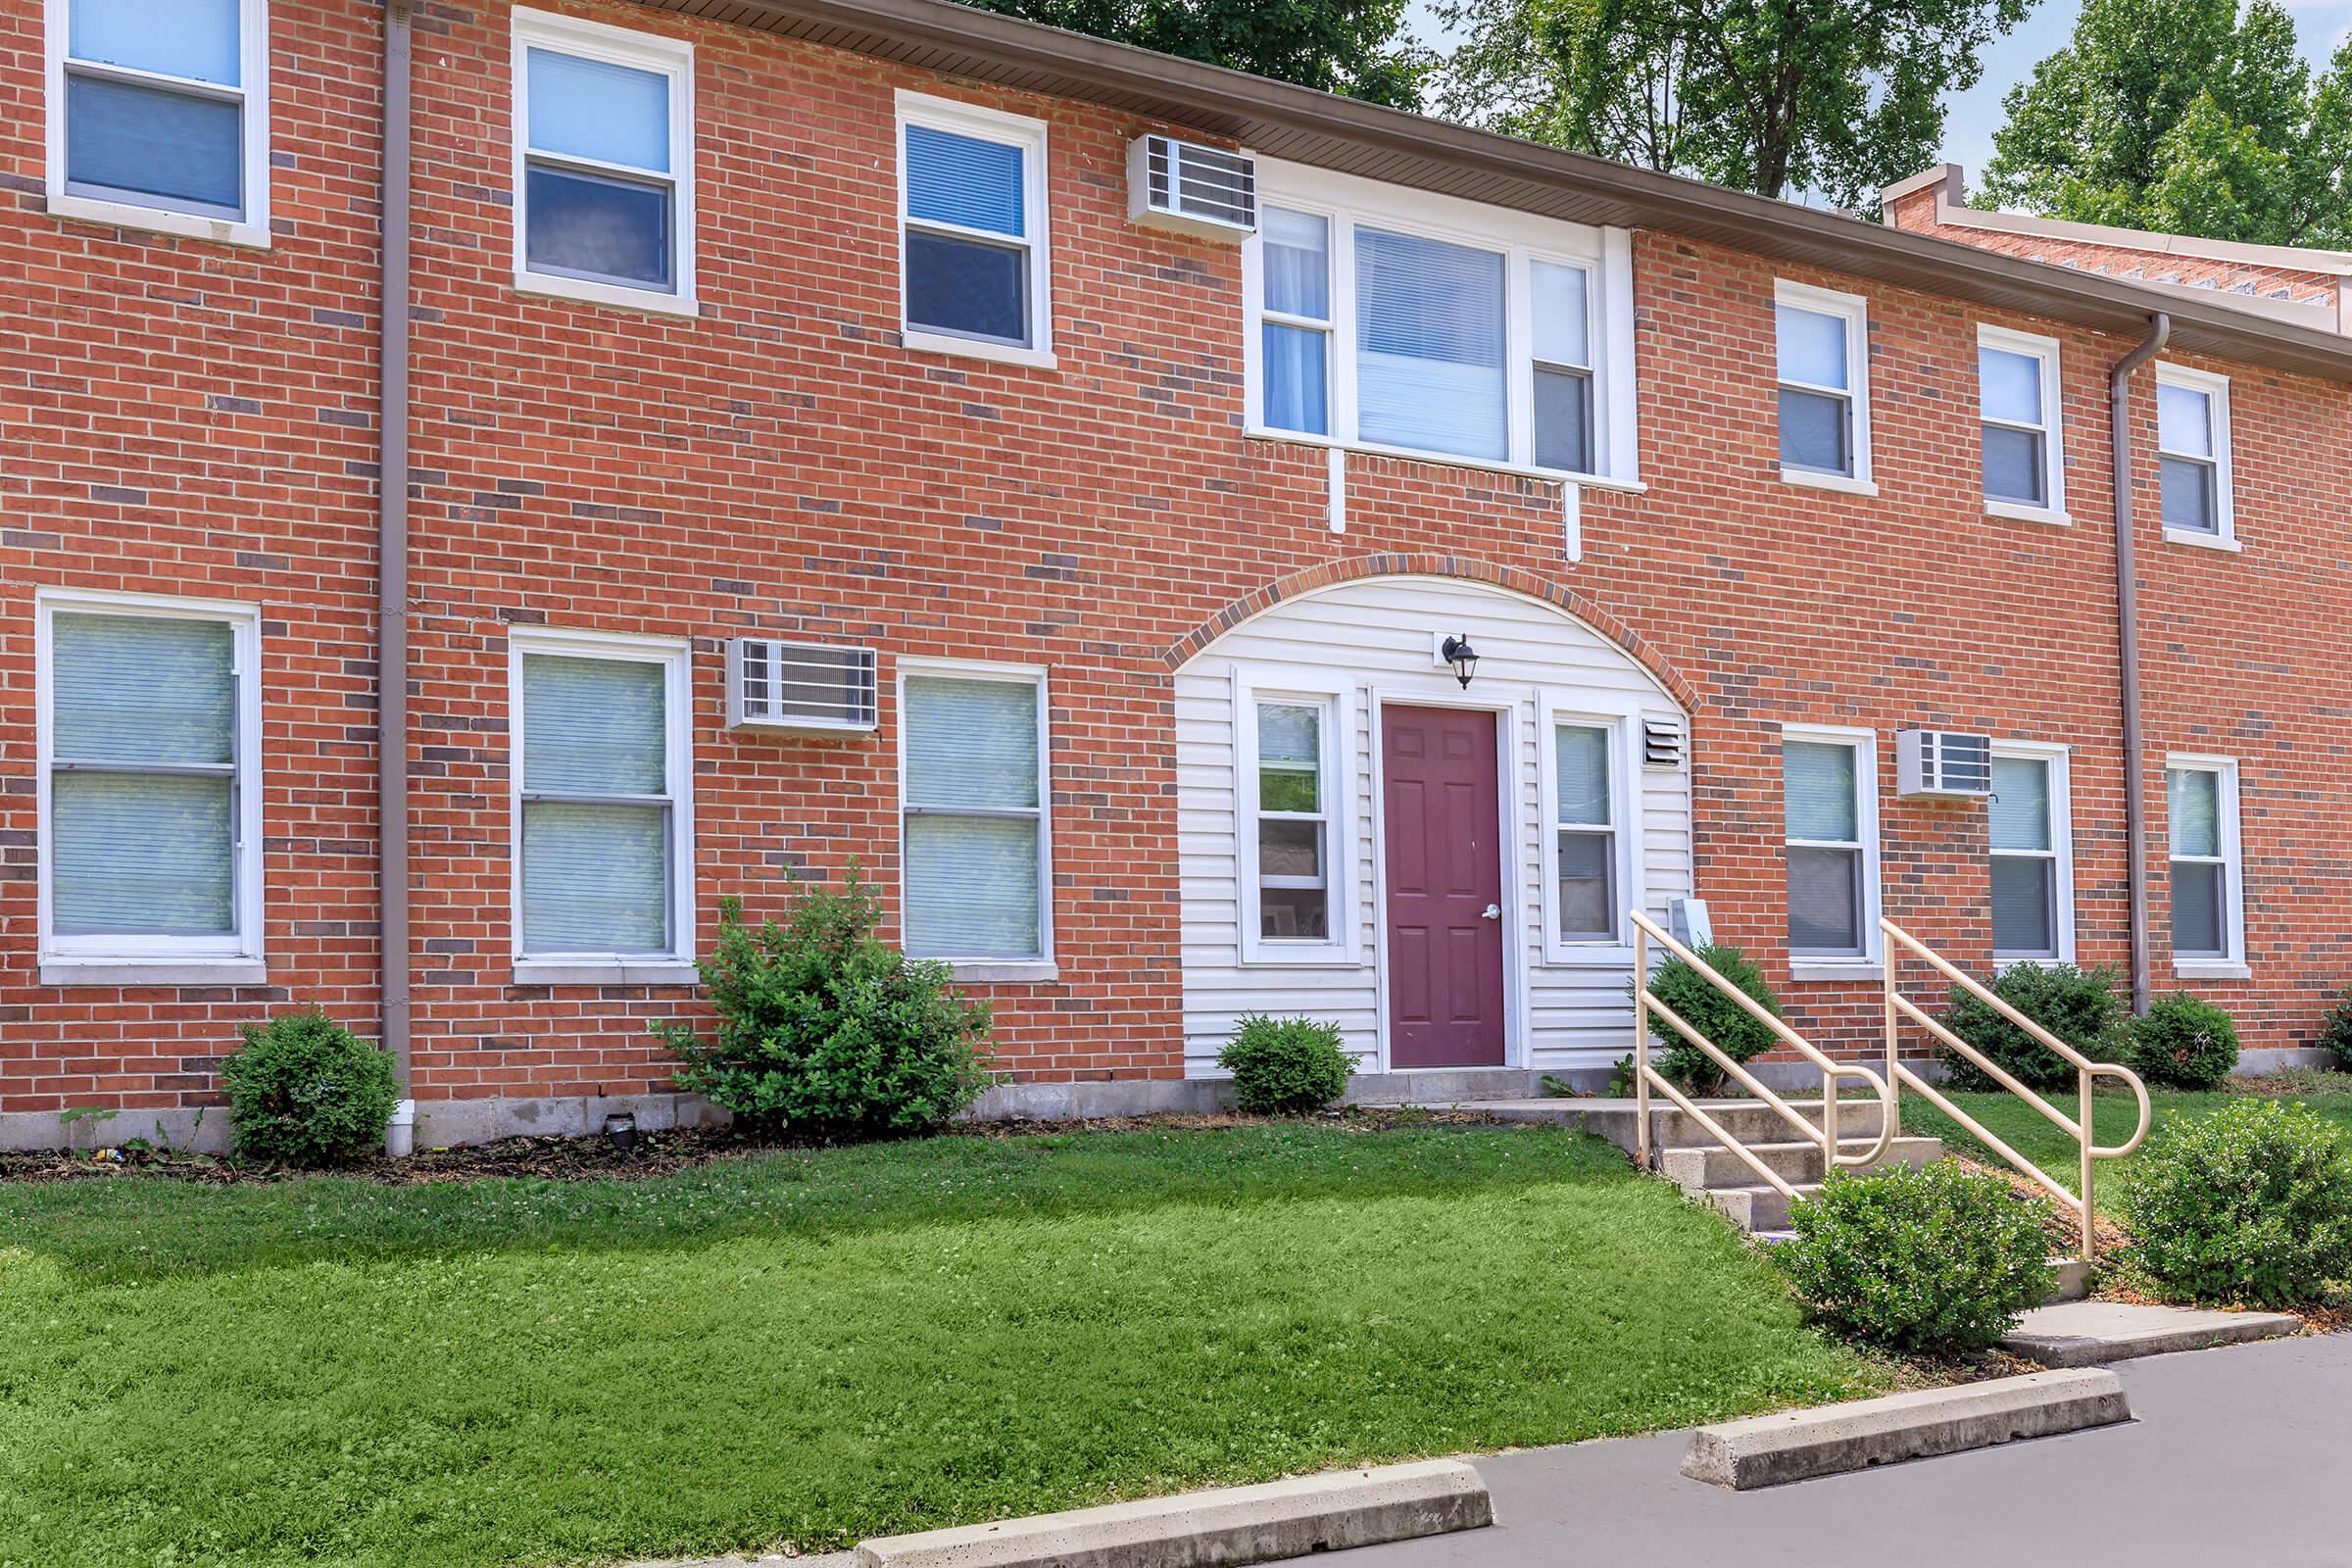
[2184,1042]
[1730,1026]
[2078,1005]
[1286,1067]
[1940,1259]
[2250,1205]
[827,1030]
[2335,1032]
[305,1090]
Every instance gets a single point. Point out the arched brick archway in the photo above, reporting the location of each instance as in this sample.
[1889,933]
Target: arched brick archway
[1330,574]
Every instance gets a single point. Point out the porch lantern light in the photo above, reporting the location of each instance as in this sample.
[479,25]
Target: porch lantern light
[1457,652]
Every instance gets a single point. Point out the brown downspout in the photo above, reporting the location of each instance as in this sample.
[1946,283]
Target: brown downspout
[2127,602]
[392,555]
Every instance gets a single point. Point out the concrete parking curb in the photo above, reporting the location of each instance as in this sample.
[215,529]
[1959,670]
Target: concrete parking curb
[1767,1450]
[1219,1529]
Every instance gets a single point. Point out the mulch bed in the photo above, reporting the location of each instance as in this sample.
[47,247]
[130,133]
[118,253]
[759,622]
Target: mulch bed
[654,1154]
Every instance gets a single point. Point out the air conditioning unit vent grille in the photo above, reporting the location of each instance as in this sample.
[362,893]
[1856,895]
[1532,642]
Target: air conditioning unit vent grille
[1205,191]
[1942,764]
[798,686]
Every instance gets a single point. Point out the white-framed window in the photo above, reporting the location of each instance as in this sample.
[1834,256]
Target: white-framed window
[1395,321]
[601,771]
[159,115]
[2031,831]
[1830,797]
[2206,865]
[1821,350]
[2021,425]
[2192,456]
[1292,783]
[603,164]
[150,790]
[975,831]
[974,268]
[1591,800]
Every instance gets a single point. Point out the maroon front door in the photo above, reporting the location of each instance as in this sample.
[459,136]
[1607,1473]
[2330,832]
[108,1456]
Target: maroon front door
[1445,858]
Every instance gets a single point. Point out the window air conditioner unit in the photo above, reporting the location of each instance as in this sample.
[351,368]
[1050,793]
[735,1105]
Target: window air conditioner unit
[1181,185]
[1942,764]
[802,687]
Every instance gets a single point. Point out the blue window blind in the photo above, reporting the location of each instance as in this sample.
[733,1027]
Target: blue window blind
[597,109]
[197,40]
[136,850]
[1819,787]
[1430,345]
[973,882]
[598,818]
[965,182]
[178,144]
[2195,801]
[2020,811]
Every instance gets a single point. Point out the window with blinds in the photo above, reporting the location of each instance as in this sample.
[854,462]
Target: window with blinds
[973,241]
[1827,822]
[975,828]
[2192,453]
[2018,410]
[2021,826]
[2203,807]
[1585,834]
[599,802]
[149,841]
[604,160]
[1294,821]
[158,109]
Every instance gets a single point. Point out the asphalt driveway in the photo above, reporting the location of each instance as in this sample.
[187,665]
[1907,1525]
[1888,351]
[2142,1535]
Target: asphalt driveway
[2240,1455]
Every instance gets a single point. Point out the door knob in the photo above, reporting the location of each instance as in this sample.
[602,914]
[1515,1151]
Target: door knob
[1493,911]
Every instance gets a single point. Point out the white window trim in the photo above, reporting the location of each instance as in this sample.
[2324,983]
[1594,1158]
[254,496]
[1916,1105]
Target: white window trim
[1016,130]
[1623,722]
[2224,509]
[672,654]
[2230,965]
[2044,352]
[639,51]
[987,969]
[2061,854]
[1832,966]
[1606,255]
[235,960]
[1251,686]
[251,230]
[1855,310]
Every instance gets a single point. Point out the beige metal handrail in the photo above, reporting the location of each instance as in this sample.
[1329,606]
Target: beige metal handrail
[1900,1006]
[1647,1077]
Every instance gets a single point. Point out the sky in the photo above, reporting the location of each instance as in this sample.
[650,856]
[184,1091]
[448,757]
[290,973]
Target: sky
[1974,116]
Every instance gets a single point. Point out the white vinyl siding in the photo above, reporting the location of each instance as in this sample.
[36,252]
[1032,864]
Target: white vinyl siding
[1829,780]
[150,814]
[158,115]
[974,832]
[603,164]
[2021,436]
[1391,320]
[2192,457]
[974,268]
[1360,643]
[601,812]
[2028,825]
[1821,350]
[2206,866]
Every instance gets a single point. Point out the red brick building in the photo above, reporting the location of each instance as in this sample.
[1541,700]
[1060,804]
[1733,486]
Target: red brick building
[877,431]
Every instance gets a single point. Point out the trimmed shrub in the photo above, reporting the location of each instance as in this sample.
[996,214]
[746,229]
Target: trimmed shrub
[1725,1023]
[2184,1042]
[305,1090]
[1286,1067]
[827,1030]
[2078,1005]
[2335,1032]
[1939,1261]
[2250,1205]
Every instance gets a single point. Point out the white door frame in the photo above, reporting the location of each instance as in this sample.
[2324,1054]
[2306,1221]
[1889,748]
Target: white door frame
[1508,823]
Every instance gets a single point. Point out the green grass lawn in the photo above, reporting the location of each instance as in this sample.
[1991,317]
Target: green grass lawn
[809,1347]
[2113,1115]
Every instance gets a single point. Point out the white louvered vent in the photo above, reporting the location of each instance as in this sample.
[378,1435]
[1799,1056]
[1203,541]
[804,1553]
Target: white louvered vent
[1661,742]
[1181,185]
[798,686]
[1942,764]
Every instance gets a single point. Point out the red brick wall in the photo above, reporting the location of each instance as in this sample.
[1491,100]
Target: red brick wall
[782,465]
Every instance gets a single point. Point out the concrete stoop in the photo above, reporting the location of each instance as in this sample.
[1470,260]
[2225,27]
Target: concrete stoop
[2076,1334]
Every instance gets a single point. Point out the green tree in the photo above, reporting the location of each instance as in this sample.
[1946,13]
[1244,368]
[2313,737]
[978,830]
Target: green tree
[1342,46]
[2192,117]
[1837,97]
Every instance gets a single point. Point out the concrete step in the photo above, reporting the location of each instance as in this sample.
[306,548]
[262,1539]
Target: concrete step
[1755,1208]
[1697,1169]
[1750,1121]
